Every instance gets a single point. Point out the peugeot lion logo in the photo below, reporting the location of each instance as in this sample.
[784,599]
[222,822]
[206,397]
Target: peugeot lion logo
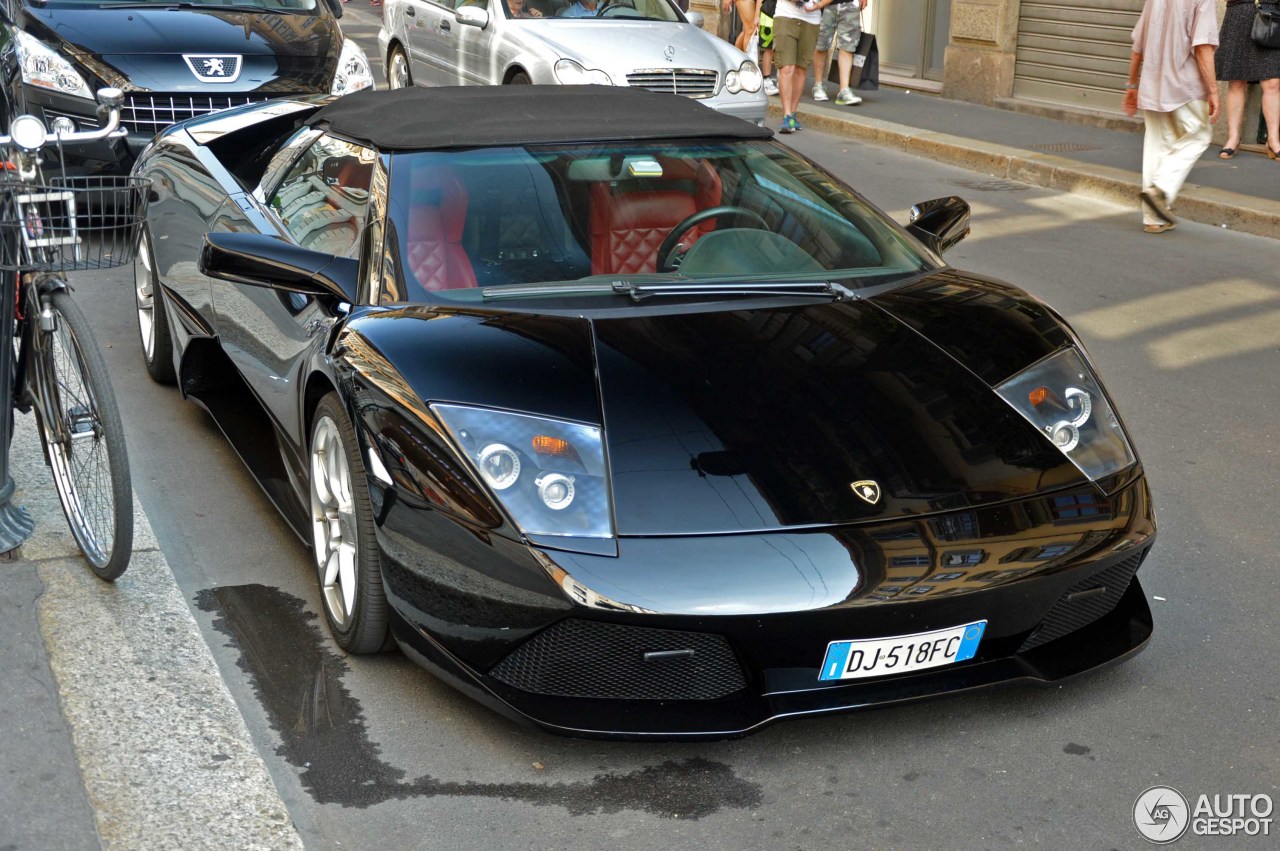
[669,52]
[867,491]
[224,68]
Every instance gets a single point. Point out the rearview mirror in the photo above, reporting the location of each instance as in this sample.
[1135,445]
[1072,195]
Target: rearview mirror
[472,16]
[940,223]
[265,261]
[695,18]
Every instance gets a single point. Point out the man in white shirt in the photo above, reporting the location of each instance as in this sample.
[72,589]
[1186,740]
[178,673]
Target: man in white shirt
[795,33]
[1171,79]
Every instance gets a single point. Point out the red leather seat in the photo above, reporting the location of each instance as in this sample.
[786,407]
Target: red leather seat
[433,243]
[628,226]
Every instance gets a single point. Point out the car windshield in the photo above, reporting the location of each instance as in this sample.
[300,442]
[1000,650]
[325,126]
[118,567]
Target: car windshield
[580,10]
[227,5]
[465,224]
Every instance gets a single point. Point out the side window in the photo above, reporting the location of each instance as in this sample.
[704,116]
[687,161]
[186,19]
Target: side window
[323,199]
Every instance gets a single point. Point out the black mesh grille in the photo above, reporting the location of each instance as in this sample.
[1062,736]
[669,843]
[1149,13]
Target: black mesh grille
[577,658]
[1093,598]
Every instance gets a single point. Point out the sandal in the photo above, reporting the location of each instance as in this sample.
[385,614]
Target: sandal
[1272,155]
[1159,228]
[1227,153]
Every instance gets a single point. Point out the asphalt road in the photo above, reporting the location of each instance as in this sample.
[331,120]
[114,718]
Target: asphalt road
[372,752]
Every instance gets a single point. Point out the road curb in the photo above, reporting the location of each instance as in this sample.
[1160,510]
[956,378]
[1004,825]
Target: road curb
[164,754]
[1211,206]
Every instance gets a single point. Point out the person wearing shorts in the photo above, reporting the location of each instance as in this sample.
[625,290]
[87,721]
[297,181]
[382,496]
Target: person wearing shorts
[841,23]
[795,33]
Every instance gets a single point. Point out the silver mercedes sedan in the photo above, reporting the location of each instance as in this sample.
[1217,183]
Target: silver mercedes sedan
[647,44]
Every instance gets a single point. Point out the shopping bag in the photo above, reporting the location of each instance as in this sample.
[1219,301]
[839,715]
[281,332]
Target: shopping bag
[753,47]
[866,63]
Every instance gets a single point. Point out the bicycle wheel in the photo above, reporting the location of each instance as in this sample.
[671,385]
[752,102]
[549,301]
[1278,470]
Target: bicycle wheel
[84,439]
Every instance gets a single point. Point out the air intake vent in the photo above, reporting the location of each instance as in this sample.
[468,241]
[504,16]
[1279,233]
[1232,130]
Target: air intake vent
[578,658]
[1085,602]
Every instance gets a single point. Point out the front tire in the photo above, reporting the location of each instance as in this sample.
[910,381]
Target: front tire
[398,74]
[519,78]
[153,321]
[342,539]
[84,441]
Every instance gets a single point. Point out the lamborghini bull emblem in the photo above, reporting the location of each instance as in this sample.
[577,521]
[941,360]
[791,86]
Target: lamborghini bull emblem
[224,68]
[867,491]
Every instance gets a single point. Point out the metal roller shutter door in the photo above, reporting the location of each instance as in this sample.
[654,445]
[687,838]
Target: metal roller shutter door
[1075,53]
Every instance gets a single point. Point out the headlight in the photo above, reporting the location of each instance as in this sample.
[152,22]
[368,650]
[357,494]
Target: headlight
[572,74]
[548,474]
[42,66]
[353,70]
[746,79]
[1061,397]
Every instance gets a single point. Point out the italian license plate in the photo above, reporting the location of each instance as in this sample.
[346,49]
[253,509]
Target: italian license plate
[874,657]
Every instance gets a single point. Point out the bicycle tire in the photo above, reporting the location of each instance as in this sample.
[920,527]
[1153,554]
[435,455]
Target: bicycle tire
[91,473]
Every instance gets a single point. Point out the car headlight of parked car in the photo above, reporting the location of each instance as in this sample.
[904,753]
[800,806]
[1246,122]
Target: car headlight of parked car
[548,474]
[571,73]
[353,72]
[746,79]
[44,67]
[1062,398]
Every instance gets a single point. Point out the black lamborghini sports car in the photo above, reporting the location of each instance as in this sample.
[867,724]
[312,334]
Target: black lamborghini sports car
[629,421]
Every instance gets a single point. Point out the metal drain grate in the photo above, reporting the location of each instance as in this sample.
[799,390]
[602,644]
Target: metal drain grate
[992,185]
[1065,147]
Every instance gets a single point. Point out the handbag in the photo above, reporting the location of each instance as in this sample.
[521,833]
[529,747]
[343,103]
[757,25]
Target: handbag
[1266,27]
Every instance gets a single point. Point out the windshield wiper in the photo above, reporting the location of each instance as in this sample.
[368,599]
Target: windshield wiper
[638,292]
[822,289]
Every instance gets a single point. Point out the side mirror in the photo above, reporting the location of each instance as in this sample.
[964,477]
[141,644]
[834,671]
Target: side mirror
[940,223]
[335,6]
[265,261]
[696,18]
[472,16]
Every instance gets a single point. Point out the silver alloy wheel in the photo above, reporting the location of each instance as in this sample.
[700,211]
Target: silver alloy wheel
[399,76]
[333,522]
[144,296]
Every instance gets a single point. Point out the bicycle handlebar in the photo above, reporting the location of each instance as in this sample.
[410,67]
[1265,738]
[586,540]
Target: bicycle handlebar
[111,98]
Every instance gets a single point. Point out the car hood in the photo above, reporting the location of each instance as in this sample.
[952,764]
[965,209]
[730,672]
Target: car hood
[741,418]
[745,420]
[143,49]
[618,46]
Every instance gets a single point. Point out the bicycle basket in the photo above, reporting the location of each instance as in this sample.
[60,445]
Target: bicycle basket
[71,223]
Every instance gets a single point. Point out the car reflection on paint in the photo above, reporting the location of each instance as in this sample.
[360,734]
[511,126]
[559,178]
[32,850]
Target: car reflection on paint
[628,421]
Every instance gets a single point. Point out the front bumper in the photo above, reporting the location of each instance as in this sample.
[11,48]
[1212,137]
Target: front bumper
[1053,576]
[747,106]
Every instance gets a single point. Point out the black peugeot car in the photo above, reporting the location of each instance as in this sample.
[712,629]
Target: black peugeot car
[174,59]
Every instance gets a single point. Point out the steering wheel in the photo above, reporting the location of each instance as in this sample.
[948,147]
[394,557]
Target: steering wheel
[724,211]
[609,5]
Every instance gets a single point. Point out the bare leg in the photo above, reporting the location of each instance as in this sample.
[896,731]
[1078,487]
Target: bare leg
[790,81]
[821,65]
[845,60]
[1236,91]
[1271,111]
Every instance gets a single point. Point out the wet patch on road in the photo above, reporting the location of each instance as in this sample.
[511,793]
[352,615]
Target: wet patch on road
[298,680]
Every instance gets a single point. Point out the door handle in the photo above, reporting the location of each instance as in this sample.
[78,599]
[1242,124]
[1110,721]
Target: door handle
[445,27]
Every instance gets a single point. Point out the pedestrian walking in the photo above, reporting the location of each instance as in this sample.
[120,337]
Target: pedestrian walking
[795,33]
[1171,79]
[842,25]
[1238,61]
[748,10]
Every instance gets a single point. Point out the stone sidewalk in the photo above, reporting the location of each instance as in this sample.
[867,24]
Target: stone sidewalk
[1242,193]
[116,729]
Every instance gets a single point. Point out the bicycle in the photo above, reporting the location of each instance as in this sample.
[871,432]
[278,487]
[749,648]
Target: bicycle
[46,230]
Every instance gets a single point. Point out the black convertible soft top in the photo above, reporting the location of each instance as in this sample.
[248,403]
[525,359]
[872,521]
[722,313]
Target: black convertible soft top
[418,119]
